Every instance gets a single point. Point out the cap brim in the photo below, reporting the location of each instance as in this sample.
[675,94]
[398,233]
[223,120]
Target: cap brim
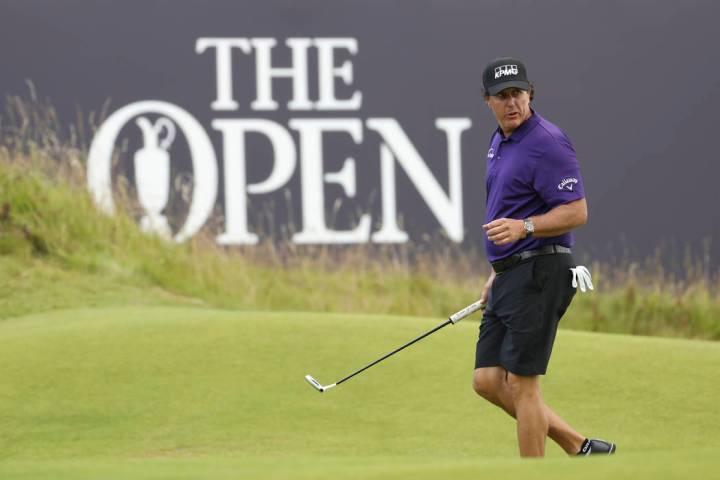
[521,84]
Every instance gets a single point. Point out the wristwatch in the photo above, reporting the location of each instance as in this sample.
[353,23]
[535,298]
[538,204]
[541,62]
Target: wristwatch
[529,227]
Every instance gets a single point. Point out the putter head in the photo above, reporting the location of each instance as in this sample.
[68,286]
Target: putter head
[316,384]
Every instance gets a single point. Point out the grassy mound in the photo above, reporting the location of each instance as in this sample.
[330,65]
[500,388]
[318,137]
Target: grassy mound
[58,251]
[170,392]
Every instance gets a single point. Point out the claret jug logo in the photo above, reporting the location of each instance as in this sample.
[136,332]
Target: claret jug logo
[152,165]
[297,148]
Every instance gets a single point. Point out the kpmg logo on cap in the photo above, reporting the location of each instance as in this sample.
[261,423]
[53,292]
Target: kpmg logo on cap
[505,70]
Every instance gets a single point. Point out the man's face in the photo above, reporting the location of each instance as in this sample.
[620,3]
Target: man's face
[511,108]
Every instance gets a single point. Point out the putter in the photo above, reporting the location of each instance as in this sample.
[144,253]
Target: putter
[454,318]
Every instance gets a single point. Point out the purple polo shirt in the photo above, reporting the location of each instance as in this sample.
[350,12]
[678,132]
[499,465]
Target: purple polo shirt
[530,173]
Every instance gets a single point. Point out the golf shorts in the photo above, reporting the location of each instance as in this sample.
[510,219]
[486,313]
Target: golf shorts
[524,307]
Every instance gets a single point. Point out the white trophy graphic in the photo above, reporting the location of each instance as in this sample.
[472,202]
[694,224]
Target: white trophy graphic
[152,174]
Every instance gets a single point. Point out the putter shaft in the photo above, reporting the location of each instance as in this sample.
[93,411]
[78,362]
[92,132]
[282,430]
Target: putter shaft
[446,323]
[453,319]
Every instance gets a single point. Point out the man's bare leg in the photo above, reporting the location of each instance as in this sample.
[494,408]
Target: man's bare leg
[532,423]
[491,383]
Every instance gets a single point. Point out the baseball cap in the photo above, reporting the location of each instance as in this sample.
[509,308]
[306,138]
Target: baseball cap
[505,72]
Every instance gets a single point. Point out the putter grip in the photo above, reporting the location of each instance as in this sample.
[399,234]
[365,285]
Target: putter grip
[456,317]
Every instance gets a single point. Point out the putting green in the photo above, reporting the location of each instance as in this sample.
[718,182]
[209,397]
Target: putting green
[168,392]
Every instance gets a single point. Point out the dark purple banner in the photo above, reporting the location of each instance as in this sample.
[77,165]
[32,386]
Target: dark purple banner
[345,122]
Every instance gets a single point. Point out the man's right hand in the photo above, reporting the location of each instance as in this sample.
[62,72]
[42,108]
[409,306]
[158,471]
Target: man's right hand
[486,290]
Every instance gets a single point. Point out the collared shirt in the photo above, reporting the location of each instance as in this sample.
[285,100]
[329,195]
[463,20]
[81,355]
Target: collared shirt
[529,173]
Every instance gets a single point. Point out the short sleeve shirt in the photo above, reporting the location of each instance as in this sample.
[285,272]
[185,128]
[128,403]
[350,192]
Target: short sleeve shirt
[529,173]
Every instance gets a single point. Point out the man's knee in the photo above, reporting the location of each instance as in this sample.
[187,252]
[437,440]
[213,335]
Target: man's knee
[487,382]
[522,387]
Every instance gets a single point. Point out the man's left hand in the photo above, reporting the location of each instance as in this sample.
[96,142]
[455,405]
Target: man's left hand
[505,231]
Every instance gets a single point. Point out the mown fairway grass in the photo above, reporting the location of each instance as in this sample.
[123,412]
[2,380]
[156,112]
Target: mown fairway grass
[183,392]
[176,388]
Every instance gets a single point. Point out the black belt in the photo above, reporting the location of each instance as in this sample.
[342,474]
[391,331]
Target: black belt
[508,262]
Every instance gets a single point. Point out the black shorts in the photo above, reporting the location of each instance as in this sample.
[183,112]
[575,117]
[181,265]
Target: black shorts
[523,310]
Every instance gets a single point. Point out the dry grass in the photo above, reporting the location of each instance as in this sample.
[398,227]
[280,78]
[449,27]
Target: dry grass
[50,220]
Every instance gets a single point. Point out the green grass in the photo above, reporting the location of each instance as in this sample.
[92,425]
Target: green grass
[125,357]
[75,256]
[58,251]
[698,464]
[187,392]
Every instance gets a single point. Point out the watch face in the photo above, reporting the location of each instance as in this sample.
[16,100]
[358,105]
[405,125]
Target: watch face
[529,226]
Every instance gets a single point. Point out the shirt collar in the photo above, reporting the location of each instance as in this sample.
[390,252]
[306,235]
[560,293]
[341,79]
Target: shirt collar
[522,130]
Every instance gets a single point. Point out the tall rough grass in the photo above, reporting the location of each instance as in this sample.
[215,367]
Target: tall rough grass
[58,250]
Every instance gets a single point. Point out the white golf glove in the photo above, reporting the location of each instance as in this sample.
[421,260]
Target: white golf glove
[581,276]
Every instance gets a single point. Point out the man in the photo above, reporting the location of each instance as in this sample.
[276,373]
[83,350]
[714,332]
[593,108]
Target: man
[535,198]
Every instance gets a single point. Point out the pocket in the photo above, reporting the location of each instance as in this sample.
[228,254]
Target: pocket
[489,302]
[542,269]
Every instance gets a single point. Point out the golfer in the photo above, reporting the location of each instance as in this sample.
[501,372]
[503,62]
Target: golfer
[535,198]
